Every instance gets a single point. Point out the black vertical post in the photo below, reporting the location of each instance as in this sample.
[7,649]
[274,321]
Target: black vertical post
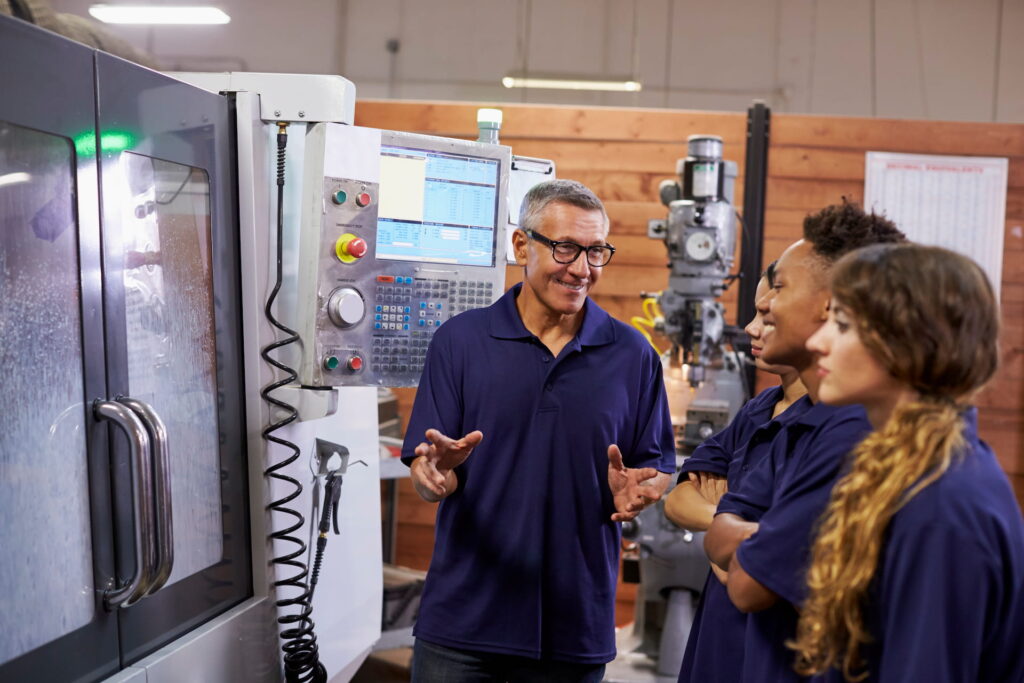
[755,177]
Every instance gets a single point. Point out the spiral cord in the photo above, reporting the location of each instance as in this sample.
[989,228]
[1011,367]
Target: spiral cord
[299,644]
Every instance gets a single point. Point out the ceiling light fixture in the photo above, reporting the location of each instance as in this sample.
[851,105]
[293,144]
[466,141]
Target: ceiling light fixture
[158,14]
[571,83]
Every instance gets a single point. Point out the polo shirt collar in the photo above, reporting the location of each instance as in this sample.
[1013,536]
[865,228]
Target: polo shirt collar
[820,412]
[796,412]
[505,323]
[970,418]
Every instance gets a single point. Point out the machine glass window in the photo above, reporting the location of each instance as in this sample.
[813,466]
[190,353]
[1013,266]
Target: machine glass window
[168,281]
[44,499]
[438,207]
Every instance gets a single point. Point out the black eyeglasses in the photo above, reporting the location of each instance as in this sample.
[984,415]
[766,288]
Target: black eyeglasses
[567,252]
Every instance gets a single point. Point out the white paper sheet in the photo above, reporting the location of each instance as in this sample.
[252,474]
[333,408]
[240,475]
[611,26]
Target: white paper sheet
[526,172]
[954,202]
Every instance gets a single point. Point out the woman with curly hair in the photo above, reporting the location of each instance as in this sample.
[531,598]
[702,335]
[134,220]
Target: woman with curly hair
[917,568]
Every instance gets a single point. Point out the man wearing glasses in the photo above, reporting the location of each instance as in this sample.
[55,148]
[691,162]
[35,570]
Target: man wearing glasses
[546,423]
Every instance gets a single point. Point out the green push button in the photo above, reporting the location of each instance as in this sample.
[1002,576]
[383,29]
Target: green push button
[340,197]
[331,362]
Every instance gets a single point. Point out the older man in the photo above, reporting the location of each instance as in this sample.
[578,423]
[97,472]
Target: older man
[546,423]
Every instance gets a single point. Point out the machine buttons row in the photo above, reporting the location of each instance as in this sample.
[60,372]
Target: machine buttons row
[354,362]
[394,299]
[426,287]
[363,199]
[479,286]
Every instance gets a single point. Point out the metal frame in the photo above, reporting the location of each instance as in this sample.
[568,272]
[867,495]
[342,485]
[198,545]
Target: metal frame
[177,122]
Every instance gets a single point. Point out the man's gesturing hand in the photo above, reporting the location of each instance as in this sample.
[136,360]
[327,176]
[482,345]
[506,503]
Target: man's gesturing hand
[632,488]
[431,471]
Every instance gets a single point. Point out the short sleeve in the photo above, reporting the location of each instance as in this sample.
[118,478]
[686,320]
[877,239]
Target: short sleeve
[776,555]
[715,453]
[654,445]
[754,496]
[438,403]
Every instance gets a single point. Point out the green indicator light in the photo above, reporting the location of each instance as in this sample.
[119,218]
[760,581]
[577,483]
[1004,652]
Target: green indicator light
[331,362]
[116,141]
[340,197]
[110,142]
[85,144]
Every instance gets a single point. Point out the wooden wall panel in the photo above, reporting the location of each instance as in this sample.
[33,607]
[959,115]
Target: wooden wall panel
[814,160]
[623,154]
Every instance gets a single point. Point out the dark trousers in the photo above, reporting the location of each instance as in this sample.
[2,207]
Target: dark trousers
[437,664]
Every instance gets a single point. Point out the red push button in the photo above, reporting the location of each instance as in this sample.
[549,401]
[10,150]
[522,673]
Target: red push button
[356,247]
[350,248]
[355,363]
[363,199]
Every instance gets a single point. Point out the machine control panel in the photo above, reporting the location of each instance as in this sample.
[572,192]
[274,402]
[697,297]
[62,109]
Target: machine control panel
[387,263]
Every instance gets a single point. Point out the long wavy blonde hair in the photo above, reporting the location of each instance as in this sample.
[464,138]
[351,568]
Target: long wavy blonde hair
[929,316]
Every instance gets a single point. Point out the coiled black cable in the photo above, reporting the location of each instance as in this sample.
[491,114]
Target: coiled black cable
[301,655]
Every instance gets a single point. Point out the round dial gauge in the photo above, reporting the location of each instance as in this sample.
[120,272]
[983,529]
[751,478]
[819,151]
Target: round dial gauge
[700,246]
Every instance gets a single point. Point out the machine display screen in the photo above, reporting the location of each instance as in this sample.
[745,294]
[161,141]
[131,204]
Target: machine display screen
[437,207]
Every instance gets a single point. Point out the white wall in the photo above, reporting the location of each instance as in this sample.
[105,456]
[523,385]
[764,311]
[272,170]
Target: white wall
[930,59]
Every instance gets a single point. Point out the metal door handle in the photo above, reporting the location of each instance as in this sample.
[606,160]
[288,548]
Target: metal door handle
[142,502]
[161,459]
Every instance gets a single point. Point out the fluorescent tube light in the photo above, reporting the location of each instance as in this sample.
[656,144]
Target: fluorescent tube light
[158,14]
[569,83]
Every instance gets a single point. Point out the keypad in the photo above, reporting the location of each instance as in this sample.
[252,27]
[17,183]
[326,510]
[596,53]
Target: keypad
[408,310]
[472,294]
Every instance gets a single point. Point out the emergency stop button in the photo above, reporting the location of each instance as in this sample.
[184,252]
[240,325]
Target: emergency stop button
[363,199]
[349,248]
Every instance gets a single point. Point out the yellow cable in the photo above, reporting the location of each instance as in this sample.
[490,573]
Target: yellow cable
[651,308]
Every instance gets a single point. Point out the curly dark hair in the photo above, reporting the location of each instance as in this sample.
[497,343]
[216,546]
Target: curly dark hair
[840,228]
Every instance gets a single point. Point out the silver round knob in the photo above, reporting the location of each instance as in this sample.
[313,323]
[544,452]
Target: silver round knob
[346,307]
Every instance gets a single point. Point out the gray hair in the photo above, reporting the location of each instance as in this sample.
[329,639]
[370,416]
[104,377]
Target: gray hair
[562,191]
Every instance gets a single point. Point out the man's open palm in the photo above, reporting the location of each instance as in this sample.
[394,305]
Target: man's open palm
[630,490]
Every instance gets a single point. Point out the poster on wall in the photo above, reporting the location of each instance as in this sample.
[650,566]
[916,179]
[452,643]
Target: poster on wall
[954,202]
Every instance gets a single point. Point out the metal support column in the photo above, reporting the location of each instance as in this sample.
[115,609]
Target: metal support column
[755,177]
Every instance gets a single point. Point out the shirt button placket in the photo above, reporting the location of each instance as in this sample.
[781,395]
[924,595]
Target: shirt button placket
[548,383]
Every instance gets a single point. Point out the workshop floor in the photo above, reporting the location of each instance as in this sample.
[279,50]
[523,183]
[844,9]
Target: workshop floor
[385,666]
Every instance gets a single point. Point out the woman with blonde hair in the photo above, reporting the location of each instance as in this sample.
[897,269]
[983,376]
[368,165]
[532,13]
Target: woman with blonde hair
[917,569]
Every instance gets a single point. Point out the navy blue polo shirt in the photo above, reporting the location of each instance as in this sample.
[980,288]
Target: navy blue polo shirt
[714,650]
[786,493]
[947,602]
[525,556]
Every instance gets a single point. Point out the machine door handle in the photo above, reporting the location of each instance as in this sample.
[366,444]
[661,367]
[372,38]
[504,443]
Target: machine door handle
[161,463]
[142,502]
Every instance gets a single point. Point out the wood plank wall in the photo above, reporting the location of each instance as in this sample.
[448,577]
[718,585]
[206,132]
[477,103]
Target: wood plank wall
[622,154]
